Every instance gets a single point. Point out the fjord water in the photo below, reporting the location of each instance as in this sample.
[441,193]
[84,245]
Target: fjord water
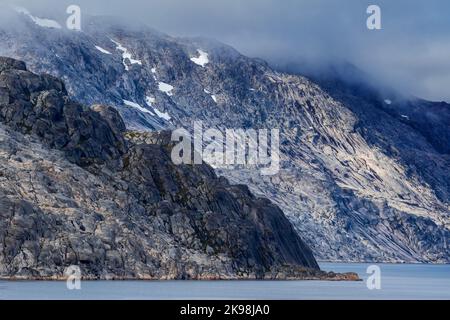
[416,281]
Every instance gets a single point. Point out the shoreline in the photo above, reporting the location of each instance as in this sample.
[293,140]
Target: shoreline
[388,263]
[328,276]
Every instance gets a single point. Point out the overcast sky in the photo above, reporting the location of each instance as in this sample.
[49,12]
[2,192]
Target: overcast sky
[411,52]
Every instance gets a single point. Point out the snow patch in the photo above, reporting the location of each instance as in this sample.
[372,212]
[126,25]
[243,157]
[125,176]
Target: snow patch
[150,101]
[137,106]
[405,116]
[126,55]
[166,88]
[45,23]
[153,70]
[202,60]
[387,101]
[213,96]
[102,50]
[162,115]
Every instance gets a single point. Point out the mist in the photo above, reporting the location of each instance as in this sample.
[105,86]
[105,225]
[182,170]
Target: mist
[410,53]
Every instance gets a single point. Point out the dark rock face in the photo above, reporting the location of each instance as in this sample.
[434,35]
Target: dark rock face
[256,232]
[75,191]
[9,63]
[39,105]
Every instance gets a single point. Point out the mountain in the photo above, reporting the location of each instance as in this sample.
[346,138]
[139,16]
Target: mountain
[77,188]
[364,177]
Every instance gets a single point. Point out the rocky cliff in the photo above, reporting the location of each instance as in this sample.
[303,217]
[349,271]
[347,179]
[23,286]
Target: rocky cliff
[364,177]
[77,189]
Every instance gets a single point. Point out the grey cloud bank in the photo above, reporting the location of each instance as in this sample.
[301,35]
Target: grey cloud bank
[410,53]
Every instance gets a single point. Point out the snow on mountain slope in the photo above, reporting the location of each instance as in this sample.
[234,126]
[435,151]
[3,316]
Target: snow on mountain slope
[166,88]
[358,181]
[163,115]
[126,55]
[137,106]
[102,50]
[202,60]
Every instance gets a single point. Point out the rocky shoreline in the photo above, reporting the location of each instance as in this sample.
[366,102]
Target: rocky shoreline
[325,276]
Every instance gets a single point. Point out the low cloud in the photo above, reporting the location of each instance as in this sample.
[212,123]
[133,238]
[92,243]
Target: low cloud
[410,53]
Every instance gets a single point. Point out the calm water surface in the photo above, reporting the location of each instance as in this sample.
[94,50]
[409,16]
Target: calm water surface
[397,282]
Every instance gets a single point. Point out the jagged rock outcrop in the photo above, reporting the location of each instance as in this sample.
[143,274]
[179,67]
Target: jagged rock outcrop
[38,104]
[76,189]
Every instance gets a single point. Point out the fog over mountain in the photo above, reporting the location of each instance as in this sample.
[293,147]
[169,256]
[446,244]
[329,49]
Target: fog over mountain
[410,53]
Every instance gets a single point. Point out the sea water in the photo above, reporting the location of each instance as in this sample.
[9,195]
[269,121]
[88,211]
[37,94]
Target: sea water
[397,281]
